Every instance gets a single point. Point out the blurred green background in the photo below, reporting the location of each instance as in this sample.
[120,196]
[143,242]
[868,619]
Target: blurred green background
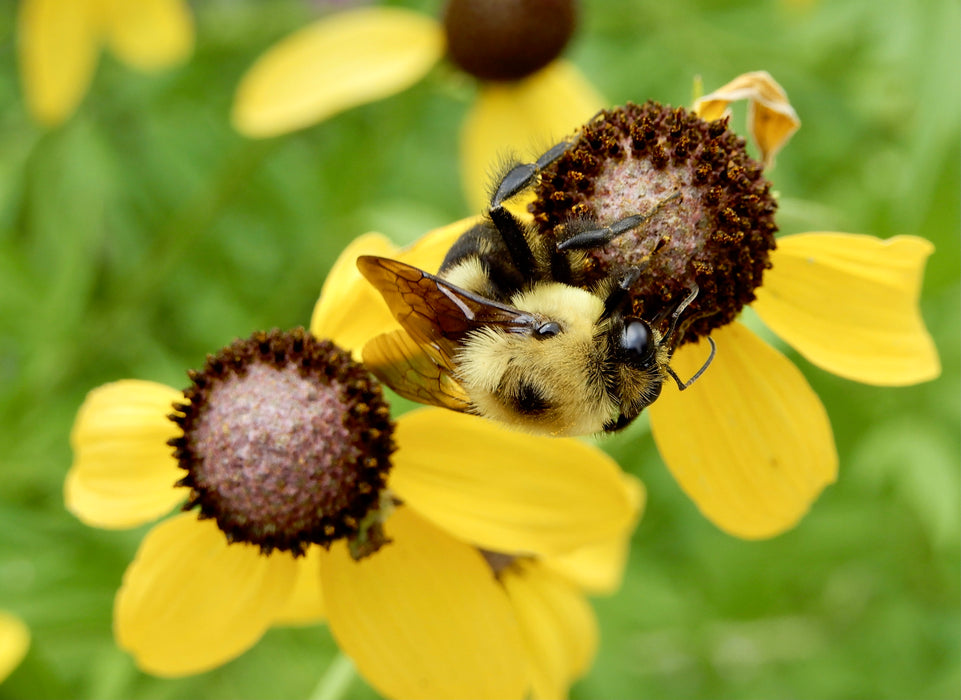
[144,233]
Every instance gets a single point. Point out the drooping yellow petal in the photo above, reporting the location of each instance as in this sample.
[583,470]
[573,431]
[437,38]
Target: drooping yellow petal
[342,61]
[849,304]
[123,472]
[423,617]
[190,602]
[750,441]
[305,604]
[557,623]
[149,34]
[506,491]
[771,118]
[522,120]
[599,568]
[58,45]
[14,642]
[350,311]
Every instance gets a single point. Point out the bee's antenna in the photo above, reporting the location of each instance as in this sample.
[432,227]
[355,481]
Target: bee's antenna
[692,295]
[707,363]
[669,338]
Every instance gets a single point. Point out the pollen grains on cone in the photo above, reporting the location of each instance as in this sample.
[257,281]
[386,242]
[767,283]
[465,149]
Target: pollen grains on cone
[506,40]
[711,210]
[286,441]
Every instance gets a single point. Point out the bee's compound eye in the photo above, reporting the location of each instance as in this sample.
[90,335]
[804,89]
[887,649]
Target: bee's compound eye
[547,330]
[638,342]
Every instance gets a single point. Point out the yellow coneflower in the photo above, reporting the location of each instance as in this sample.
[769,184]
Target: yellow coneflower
[527,95]
[59,42]
[435,546]
[750,441]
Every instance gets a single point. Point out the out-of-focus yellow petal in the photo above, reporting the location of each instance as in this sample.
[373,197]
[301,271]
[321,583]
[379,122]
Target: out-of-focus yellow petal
[522,120]
[190,602]
[123,472]
[750,441]
[599,568]
[506,491]
[423,617]
[149,34]
[342,61]
[350,311]
[771,118]
[849,304]
[14,642]
[557,623]
[305,604]
[58,45]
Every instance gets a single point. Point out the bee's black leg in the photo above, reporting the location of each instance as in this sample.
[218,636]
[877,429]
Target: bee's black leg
[521,176]
[594,238]
[510,228]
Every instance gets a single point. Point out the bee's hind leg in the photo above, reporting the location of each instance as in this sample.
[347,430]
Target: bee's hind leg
[521,176]
[595,238]
[510,228]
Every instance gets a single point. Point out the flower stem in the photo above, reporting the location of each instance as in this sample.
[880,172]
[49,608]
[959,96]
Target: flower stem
[336,680]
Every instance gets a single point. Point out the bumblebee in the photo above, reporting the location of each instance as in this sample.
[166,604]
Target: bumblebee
[507,328]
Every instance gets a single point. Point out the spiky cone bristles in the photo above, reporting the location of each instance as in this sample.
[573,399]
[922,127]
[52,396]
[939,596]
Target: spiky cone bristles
[711,211]
[286,442]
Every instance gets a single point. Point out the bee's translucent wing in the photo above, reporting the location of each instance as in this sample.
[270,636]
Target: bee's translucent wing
[414,372]
[437,314]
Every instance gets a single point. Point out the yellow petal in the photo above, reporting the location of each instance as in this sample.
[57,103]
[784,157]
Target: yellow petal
[58,45]
[771,118]
[14,642]
[557,623]
[429,250]
[849,304]
[423,617]
[506,491]
[149,34]
[123,472]
[599,568]
[190,602]
[522,120]
[350,311]
[305,604]
[342,61]
[750,441]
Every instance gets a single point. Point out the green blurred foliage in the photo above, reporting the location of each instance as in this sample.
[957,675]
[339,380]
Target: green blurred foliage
[144,234]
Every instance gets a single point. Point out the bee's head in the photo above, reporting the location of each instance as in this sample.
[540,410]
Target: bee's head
[638,356]
[580,368]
